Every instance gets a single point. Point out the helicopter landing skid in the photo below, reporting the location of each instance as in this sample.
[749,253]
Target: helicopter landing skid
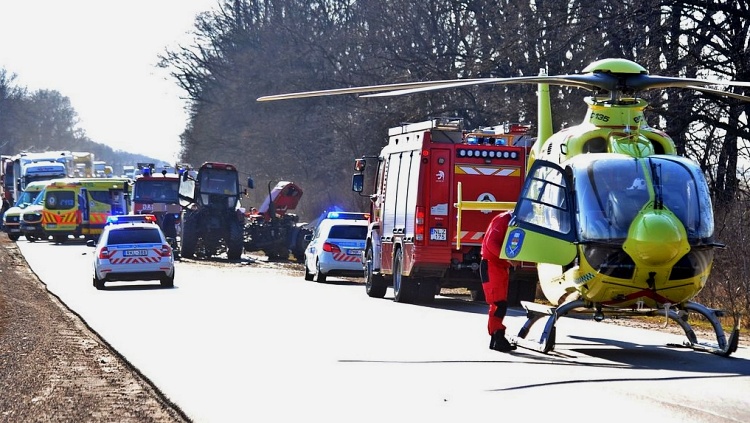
[546,343]
[721,347]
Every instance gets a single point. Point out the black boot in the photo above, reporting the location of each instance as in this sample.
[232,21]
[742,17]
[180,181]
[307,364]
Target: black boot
[499,343]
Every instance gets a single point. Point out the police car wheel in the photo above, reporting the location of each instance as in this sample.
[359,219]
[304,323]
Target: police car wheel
[308,275]
[98,283]
[319,276]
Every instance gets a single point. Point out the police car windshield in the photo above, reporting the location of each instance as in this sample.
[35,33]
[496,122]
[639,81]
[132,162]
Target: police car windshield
[133,235]
[348,232]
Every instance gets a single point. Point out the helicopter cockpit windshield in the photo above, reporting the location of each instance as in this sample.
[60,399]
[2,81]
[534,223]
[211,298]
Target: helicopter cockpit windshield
[610,192]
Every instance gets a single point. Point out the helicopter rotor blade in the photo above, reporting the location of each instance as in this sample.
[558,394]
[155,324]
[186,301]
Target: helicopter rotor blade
[719,93]
[626,83]
[357,90]
[567,80]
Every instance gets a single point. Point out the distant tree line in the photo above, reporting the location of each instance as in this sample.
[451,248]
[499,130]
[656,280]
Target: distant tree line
[44,120]
[248,48]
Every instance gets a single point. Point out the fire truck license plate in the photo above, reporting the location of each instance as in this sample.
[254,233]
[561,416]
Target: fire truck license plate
[131,253]
[438,234]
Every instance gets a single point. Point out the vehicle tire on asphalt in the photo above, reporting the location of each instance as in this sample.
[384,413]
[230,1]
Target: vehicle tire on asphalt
[405,290]
[13,237]
[308,275]
[98,283]
[167,281]
[427,289]
[189,238]
[235,244]
[319,276]
[375,284]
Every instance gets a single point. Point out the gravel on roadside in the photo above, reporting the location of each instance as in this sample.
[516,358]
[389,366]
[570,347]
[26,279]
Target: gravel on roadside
[55,368]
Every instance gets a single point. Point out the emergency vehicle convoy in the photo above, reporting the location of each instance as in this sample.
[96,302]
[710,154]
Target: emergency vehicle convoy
[80,206]
[413,243]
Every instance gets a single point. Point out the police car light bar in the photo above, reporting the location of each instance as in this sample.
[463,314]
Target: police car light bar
[131,218]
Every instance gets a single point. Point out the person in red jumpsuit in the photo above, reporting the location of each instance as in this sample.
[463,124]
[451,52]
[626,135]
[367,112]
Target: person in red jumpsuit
[495,273]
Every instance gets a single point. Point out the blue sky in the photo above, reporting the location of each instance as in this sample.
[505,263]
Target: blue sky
[102,55]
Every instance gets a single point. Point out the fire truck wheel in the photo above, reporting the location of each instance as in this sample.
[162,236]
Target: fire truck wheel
[13,237]
[427,290]
[404,289]
[308,275]
[60,239]
[375,284]
[31,238]
[319,276]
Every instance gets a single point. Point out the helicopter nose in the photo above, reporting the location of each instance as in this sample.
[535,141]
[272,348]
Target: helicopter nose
[656,237]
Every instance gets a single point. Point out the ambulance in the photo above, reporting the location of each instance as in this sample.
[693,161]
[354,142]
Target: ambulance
[79,207]
[12,217]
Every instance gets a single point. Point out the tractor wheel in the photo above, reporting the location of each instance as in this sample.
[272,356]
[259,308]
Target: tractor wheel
[235,243]
[189,238]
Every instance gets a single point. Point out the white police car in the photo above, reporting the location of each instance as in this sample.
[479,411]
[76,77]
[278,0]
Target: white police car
[336,246]
[135,250]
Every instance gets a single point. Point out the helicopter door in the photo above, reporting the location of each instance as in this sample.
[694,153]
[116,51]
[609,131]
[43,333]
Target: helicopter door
[542,229]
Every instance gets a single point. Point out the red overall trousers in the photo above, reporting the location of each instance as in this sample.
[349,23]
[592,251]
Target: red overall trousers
[495,271]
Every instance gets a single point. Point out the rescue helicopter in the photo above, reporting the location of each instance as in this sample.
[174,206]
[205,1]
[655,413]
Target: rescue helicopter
[618,223]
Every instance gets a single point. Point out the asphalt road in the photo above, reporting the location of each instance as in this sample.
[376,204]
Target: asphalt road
[255,342]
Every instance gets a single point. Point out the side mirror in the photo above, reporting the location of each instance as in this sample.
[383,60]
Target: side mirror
[308,237]
[360,164]
[250,183]
[184,176]
[91,243]
[358,182]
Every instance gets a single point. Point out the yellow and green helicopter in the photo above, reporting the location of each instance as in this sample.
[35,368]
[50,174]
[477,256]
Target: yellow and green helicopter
[616,221]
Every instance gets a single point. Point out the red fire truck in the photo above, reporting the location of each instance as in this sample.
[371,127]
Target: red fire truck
[157,193]
[413,243]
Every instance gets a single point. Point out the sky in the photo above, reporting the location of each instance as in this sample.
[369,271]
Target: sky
[102,55]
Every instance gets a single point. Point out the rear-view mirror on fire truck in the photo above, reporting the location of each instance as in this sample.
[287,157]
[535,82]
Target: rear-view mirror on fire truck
[358,182]
[360,164]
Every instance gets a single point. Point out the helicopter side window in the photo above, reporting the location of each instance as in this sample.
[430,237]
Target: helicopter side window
[547,205]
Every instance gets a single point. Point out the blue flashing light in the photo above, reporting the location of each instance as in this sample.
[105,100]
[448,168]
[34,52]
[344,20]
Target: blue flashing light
[130,218]
[348,215]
